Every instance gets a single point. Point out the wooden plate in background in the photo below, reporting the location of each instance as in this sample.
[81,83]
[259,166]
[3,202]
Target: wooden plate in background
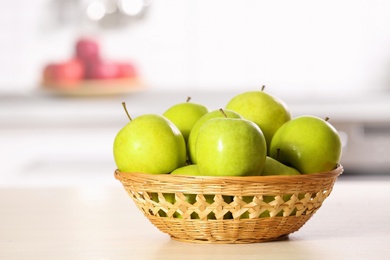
[85,88]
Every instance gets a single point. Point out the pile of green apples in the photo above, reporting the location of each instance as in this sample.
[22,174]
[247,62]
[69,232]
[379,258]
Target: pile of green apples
[254,135]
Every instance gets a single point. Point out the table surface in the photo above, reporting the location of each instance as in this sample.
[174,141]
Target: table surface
[101,222]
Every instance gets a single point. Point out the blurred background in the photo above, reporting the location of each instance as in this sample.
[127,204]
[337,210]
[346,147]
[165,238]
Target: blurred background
[328,58]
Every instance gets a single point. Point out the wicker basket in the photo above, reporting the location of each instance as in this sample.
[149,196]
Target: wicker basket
[228,209]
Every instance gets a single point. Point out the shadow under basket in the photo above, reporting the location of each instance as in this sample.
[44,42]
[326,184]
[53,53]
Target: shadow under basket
[208,209]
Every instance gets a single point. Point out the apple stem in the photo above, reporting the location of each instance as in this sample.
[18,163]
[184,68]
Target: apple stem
[326,119]
[127,112]
[223,112]
[188,99]
[262,88]
[278,154]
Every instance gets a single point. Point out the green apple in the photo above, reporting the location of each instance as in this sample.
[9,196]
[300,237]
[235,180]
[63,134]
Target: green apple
[185,115]
[150,144]
[190,170]
[274,167]
[267,111]
[308,144]
[230,147]
[191,144]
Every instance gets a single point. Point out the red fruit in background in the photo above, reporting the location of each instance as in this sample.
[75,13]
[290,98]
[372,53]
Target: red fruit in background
[103,70]
[64,72]
[86,64]
[87,49]
[48,72]
[127,70]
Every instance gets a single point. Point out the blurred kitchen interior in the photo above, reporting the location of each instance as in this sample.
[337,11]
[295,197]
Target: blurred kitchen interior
[328,58]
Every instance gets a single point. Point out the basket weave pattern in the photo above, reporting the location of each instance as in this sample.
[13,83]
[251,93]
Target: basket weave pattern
[228,209]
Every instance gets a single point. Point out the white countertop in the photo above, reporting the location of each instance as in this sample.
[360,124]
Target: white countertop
[40,109]
[101,222]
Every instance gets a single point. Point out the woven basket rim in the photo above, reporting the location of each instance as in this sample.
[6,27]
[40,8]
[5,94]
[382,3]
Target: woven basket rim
[209,179]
